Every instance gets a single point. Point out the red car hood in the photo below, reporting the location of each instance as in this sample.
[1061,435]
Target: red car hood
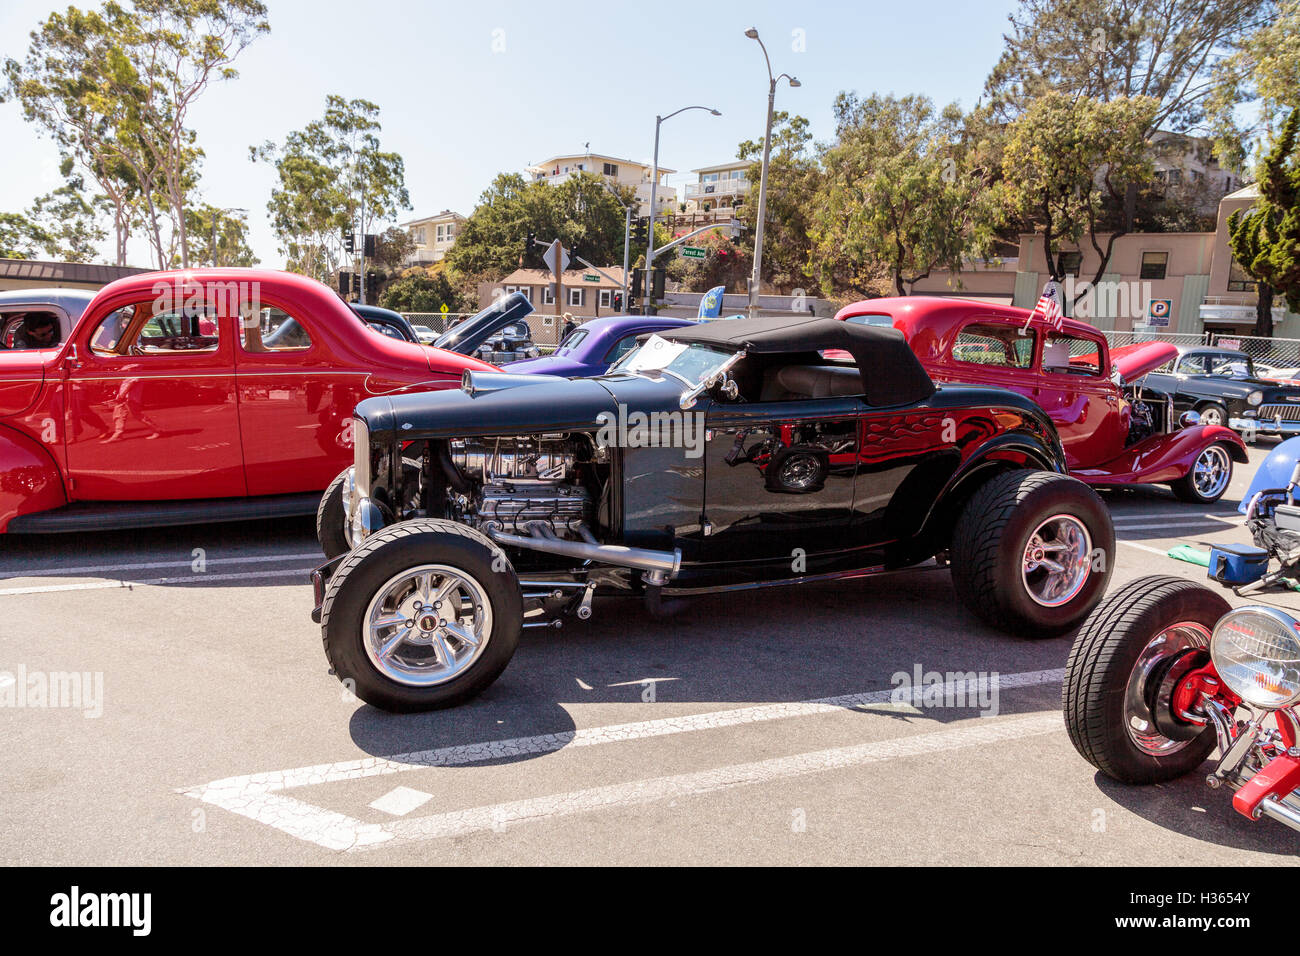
[1137,359]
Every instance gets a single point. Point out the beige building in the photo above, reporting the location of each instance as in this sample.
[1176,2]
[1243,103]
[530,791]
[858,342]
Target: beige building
[1183,282]
[433,236]
[587,294]
[616,171]
[717,190]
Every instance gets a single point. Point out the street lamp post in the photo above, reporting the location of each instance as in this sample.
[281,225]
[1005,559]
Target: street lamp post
[654,198]
[762,176]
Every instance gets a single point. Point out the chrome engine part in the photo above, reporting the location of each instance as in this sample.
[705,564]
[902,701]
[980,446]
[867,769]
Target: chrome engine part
[512,505]
[486,460]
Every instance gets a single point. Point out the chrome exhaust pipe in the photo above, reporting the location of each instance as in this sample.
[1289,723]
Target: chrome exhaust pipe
[663,564]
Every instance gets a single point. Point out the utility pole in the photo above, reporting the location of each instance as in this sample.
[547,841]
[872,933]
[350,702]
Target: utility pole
[559,276]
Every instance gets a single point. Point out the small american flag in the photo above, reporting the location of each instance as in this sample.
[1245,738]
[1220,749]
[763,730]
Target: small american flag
[1048,308]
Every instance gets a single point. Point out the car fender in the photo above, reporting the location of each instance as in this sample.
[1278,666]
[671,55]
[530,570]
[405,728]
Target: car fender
[1163,458]
[1274,471]
[30,480]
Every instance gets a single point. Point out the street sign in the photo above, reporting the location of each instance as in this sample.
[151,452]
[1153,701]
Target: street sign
[1158,312]
[549,257]
[588,277]
[692,252]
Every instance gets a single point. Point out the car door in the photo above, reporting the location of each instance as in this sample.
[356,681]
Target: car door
[1078,395]
[779,479]
[151,407]
[295,403]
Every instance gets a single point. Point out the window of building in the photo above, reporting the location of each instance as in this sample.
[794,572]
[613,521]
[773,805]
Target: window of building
[605,298]
[1070,263]
[576,296]
[548,295]
[610,169]
[1238,281]
[1154,265]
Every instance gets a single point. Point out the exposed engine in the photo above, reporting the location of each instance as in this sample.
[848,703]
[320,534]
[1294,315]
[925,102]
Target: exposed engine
[1151,414]
[517,482]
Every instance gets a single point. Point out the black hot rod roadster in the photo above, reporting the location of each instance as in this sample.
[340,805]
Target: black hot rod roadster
[726,456]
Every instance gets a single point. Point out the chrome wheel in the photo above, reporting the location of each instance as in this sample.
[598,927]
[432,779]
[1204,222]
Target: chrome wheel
[1212,471]
[1211,416]
[800,472]
[1139,720]
[1057,561]
[427,625]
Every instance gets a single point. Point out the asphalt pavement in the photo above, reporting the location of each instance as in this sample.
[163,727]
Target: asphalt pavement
[199,724]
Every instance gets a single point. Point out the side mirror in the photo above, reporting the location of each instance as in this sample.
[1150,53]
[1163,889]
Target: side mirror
[1114,374]
[1189,418]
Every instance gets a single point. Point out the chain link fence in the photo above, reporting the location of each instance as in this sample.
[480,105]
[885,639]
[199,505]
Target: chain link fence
[544,329]
[1275,352]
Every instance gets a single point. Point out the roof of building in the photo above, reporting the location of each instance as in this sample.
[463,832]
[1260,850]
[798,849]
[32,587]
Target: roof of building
[618,159]
[572,277]
[1245,192]
[445,214]
[77,273]
[734,164]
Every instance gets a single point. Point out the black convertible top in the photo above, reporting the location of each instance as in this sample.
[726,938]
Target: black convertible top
[891,372]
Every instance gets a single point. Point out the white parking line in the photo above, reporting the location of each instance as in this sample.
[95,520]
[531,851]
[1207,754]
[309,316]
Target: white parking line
[1143,547]
[178,579]
[1201,523]
[257,796]
[1226,515]
[10,573]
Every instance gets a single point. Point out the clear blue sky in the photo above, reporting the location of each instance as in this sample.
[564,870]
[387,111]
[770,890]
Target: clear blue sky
[569,74]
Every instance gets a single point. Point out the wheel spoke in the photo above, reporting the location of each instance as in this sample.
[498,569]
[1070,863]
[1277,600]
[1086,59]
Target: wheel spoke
[462,633]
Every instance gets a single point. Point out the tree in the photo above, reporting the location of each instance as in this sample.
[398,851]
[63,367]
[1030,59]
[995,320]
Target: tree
[794,175]
[325,171]
[217,238]
[393,247]
[725,263]
[1266,240]
[421,290]
[114,89]
[19,236]
[1067,161]
[69,224]
[898,197]
[580,212]
[1262,74]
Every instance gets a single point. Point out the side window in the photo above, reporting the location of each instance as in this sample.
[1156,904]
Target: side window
[872,318]
[1071,355]
[274,331]
[624,345]
[988,343]
[108,334]
[144,329]
[1192,365]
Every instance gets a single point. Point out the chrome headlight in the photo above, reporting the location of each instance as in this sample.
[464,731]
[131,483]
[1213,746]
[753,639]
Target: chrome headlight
[1256,651]
[360,480]
[1255,397]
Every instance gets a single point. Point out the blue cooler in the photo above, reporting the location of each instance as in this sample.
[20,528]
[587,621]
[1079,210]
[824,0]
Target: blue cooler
[1237,564]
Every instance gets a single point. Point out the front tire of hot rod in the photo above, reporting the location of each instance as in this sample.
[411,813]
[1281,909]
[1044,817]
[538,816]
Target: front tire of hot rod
[1117,694]
[330,533]
[1032,552]
[424,614]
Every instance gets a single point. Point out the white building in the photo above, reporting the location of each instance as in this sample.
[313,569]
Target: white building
[718,189]
[433,236]
[620,172]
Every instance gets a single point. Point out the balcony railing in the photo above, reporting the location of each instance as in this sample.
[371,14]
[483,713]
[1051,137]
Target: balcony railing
[723,187]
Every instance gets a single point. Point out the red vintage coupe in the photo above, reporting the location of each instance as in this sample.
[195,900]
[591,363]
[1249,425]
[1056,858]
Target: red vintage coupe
[1115,431]
[206,395]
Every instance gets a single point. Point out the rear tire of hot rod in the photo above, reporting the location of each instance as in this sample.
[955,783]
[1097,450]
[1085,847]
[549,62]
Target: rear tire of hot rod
[388,635]
[1123,661]
[330,533]
[1208,478]
[1032,552]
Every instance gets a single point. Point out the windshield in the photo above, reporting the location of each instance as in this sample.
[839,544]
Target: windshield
[571,341]
[1232,367]
[691,364]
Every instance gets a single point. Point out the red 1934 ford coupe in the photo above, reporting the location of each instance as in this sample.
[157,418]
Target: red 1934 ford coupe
[1115,431]
[206,395]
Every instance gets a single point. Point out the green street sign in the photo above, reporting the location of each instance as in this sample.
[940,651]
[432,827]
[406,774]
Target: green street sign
[692,252]
[588,277]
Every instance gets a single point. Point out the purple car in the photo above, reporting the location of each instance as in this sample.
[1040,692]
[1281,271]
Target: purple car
[593,347]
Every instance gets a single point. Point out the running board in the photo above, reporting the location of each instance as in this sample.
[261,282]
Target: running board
[119,515]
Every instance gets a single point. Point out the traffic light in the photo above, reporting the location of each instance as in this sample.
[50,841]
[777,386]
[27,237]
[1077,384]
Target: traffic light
[345,283]
[618,301]
[349,243]
[641,231]
[369,246]
[660,273]
[637,277]
[356,283]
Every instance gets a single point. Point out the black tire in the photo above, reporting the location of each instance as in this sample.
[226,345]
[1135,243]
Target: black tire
[382,556]
[1102,661]
[1213,408]
[330,532]
[1185,487]
[990,540]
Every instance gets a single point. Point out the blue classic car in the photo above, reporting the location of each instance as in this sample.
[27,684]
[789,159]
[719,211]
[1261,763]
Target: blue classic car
[593,347]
